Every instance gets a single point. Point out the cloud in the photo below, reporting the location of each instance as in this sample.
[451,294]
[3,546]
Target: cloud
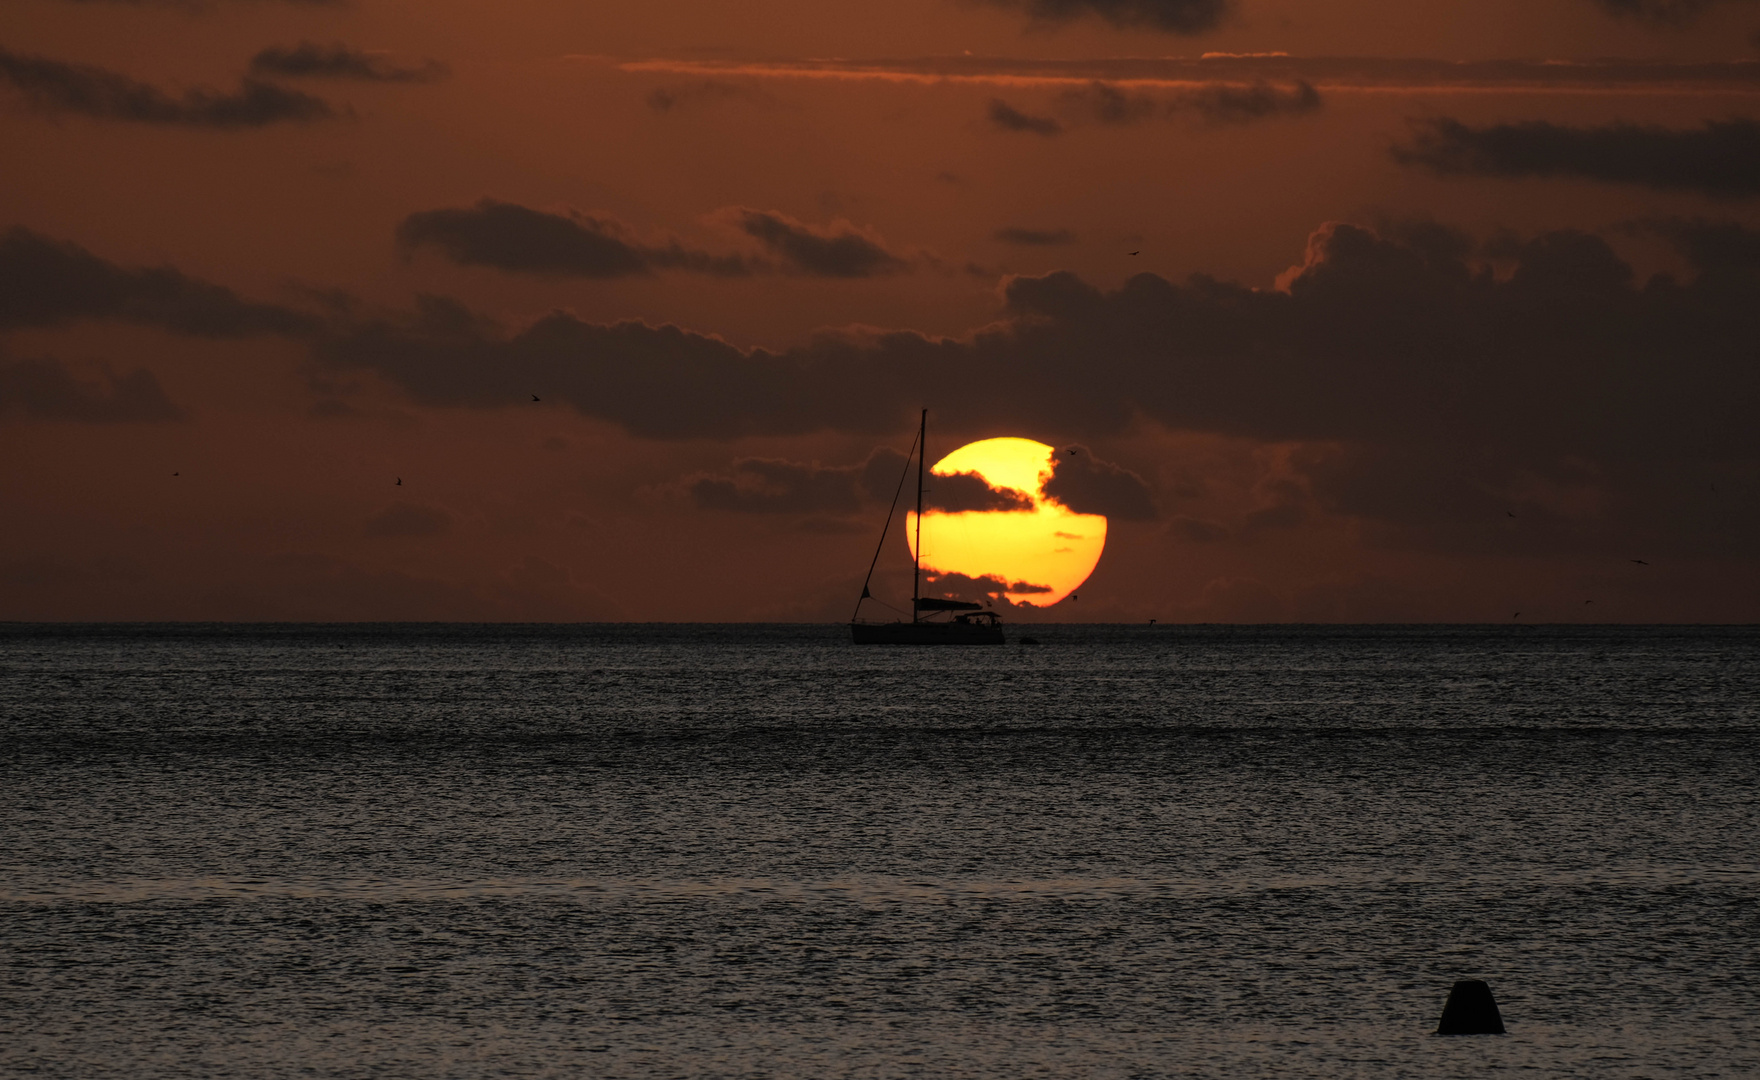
[1722,249]
[308,59]
[508,236]
[1399,347]
[840,251]
[956,493]
[1220,103]
[1087,485]
[1659,12]
[1033,237]
[987,590]
[1240,104]
[409,519]
[1721,159]
[47,390]
[1008,118]
[50,86]
[1166,16]
[45,282]
[772,486]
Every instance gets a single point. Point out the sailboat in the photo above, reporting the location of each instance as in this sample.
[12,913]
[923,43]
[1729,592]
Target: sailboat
[965,623]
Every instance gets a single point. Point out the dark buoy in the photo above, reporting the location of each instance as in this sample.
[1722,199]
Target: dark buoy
[1471,1010]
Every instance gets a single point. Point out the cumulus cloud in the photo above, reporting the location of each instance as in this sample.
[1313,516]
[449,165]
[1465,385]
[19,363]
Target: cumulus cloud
[840,250]
[1033,237]
[1009,118]
[1166,16]
[986,590]
[956,493]
[46,282]
[51,86]
[45,389]
[774,486]
[1088,485]
[1720,159]
[508,236]
[1394,348]
[308,59]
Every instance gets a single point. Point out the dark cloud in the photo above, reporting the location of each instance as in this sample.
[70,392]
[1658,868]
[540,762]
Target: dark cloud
[1220,103]
[1166,16]
[1722,249]
[1033,237]
[47,390]
[771,486]
[1659,12]
[842,252]
[1240,104]
[1720,159]
[51,86]
[308,59]
[986,590]
[1399,345]
[508,236]
[1087,485]
[45,282]
[956,493]
[1008,118]
[409,519]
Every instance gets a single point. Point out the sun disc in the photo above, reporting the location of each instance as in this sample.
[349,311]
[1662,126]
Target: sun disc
[1039,556]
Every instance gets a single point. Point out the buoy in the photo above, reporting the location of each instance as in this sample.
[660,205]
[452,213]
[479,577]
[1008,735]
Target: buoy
[1471,1010]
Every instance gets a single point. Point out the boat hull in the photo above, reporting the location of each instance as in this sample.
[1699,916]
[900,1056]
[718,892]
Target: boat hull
[926,633]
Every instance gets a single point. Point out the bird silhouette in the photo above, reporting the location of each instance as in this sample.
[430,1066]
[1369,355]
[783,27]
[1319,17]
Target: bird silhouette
[176,474]
[1640,562]
[399,482]
[1588,601]
[1151,622]
[536,398]
[1071,451]
[1136,253]
[1511,513]
[1517,615]
[1072,596]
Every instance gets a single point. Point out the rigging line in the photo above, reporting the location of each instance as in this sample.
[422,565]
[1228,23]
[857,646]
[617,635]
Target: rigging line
[882,544]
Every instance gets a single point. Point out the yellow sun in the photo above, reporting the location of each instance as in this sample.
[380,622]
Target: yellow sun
[1040,555]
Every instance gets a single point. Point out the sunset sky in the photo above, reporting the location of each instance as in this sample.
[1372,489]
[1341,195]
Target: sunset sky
[1362,311]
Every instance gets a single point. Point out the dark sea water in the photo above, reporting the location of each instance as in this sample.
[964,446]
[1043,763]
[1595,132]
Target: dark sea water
[760,851]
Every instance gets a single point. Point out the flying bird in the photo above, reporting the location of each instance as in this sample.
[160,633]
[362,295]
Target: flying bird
[1511,513]
[1136,253]
[176,474]
[1640,562]
[399,482]
[536,398]
[1588,601]
[1072,596]
[1517,615]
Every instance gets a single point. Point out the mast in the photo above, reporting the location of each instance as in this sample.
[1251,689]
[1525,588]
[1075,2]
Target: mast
[917,548]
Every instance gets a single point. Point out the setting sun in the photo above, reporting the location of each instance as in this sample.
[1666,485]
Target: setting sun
[1040,555]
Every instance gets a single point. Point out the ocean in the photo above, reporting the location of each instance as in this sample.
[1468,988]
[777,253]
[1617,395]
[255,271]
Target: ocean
[761,851]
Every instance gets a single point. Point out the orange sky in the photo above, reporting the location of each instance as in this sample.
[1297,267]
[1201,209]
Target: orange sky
[1449,313]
